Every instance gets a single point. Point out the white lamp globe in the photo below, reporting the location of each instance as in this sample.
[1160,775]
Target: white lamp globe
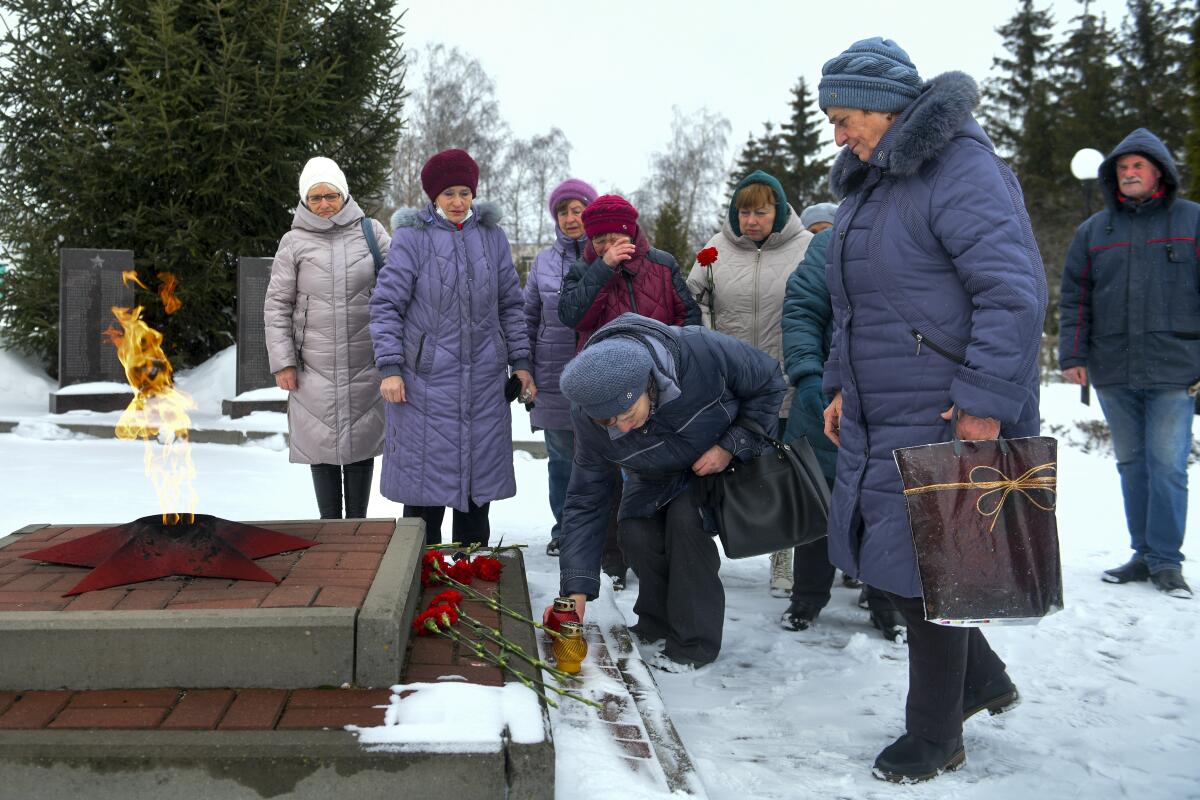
[1086,163]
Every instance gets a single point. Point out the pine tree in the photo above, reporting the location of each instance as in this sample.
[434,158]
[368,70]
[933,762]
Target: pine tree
[1152,54]
[767,153]
[1089,99]
[177,130]
[748,160]
[670,235]
[1191,157]
[806,177]
[1020,90]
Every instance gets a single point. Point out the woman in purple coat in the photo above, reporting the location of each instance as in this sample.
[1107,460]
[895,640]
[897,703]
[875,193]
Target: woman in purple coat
[551,343]
[447,325]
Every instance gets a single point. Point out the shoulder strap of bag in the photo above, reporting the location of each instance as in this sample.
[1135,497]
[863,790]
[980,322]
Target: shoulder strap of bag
[372,242]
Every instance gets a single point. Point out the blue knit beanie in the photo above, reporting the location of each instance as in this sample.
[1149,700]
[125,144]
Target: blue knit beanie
[818,212]
[607,377]
[872,74]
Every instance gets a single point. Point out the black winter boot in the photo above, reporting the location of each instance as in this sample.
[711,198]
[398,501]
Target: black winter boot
[996,698]
[885,617]
[911,759]
[1134,569]
[1170,581]
[798,617]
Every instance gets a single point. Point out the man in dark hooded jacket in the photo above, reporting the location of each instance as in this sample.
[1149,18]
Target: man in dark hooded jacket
[1130,325]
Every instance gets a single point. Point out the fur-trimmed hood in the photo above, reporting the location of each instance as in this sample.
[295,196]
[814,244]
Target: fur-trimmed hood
[486,214]
[923,130]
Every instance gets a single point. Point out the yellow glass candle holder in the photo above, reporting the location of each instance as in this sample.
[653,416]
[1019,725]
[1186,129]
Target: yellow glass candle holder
[569,647]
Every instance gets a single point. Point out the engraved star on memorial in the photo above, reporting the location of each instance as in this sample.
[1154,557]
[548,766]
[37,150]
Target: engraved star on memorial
[148,548]
[97,261]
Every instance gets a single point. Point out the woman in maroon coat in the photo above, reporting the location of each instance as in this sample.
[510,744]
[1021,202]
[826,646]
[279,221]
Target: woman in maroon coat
[621,272]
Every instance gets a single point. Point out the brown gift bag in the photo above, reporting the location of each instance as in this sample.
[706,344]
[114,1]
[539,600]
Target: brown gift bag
[984,529]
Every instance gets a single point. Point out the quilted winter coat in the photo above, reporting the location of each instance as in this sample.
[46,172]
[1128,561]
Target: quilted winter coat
[748,285]
[807,328]
[552,344]
[447,317]
[317,320]
[1130,308]
[706,380]
[938,296]
[648,284]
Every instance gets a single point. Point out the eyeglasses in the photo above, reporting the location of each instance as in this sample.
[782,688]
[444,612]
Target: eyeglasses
[314,199]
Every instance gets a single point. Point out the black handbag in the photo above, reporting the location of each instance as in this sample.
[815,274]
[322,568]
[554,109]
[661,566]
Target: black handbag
[774,502]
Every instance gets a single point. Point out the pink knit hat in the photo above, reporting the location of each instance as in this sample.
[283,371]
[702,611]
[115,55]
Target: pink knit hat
[449,168]
[570,189]
[610,213]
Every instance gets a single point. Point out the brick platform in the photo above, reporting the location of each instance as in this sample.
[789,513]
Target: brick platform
[194,709]
[335,573]
[280,737]
[327,622]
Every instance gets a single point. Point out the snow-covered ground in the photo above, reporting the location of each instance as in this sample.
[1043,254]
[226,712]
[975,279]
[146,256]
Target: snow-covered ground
[1111,697]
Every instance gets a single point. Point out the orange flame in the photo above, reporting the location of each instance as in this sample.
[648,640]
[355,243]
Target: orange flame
[158,411]
[131,275]
[170,302]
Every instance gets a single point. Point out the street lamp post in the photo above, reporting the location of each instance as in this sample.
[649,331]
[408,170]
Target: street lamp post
[1085,165]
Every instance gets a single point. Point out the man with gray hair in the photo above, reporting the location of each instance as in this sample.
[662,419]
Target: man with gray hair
[1129,324]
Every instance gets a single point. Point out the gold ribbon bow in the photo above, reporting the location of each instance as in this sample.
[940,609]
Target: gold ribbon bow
[996,492]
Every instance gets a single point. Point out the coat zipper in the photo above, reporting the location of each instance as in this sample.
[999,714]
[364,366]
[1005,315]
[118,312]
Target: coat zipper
[757,271]
[921,340]
[632,296]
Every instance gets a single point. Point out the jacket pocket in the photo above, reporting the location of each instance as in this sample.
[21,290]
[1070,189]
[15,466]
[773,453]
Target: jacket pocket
[299,325]
[422,359]
[924,343]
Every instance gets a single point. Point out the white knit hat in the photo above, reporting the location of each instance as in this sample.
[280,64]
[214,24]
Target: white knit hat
[322,170]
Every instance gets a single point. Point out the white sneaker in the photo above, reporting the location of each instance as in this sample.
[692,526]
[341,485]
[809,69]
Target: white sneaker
[781,574]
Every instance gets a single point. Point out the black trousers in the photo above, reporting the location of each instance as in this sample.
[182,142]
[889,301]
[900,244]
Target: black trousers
[943,662]
[330,480]
[680,596]
[470,527]
[812,579]
[613,560]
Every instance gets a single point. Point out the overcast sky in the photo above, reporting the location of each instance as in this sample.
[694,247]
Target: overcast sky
[608,73]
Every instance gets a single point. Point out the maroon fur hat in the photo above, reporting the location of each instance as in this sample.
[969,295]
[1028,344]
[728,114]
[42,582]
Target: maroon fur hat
[449,168]
[610,213]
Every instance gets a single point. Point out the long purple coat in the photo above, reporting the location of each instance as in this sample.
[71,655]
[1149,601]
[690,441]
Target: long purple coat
[447,317]
[552,343]
[938,296]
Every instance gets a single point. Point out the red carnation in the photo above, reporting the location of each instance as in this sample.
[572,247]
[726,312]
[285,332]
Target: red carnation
[449,597]
[445,615]
[486,568]
[424,624]
[707,257]
[460,571]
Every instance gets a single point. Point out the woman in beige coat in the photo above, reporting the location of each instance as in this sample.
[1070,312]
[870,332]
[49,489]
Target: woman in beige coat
[319,340]
[741,295]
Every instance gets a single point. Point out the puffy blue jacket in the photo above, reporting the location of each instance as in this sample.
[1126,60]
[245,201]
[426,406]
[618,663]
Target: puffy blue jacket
[807,329]
[551,343]
[938,296]
[1130,307]
[718,379]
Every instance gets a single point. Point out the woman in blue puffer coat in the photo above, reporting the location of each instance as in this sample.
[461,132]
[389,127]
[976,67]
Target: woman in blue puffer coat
[938,295]
[448,324]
